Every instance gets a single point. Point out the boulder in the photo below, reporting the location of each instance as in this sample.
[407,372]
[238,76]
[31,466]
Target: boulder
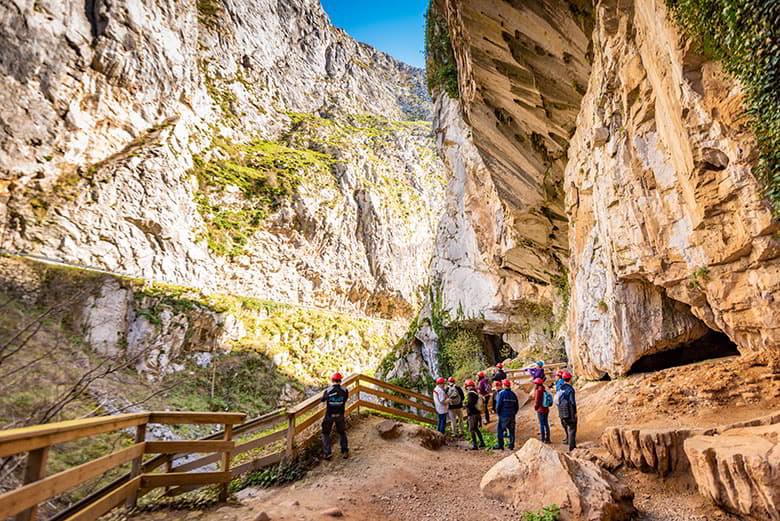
[389,429]
[537,475]
[739,470]
[428,438]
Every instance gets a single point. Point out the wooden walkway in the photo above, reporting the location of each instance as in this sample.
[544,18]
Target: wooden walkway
[240,447]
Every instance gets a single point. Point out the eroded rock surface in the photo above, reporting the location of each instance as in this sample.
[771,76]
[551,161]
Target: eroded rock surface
[739,470]
[538,475]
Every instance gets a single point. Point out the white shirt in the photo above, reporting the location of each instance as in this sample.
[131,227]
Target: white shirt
[440,398]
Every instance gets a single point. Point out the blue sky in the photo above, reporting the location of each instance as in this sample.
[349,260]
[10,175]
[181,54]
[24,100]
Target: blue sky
[395,26]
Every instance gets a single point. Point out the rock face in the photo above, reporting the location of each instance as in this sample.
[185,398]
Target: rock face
[668,228]
[223,145]
[537,475]
[606,114]
[739,470]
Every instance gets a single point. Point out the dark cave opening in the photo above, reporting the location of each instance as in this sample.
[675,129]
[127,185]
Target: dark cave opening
[494,348]
[710,346]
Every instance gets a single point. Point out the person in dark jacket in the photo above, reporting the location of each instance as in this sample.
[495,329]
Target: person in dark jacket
[497,389]
[567,410]
[507,406]
[499,375]
[484,391]
[542,412]
[335,398]
[473,415]
[558,384]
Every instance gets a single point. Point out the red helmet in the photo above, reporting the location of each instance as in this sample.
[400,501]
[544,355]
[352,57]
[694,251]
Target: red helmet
[566,376]
[440,380]
[470,383]
[336,377]
[481,374]
[498,383]
[500,365]
[451,379]
[538,381]
[507,383]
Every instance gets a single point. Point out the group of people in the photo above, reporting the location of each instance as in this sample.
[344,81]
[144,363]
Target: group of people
[479,398]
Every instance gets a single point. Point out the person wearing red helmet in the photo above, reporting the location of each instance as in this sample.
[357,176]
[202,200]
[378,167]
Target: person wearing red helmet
[499,375]
[335,398]
[474,414]
[483,387]
[507,406]
[566,401]
[497,386]
[441,402]
[542,402]
[455,412]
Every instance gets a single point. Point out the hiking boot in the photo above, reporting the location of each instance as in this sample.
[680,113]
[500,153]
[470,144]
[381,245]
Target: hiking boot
[565,442]
[327,456]
[482,445]
[498,448]
[473,448]
[511,447]
[345,455]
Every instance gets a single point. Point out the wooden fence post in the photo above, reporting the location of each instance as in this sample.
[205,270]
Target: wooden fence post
[223,493]
[135,471]
[290,450]
[34,471]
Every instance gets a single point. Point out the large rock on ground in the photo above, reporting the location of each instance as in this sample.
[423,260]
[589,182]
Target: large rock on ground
[537,475]
[739,470]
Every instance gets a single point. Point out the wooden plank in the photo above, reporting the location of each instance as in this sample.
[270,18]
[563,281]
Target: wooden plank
[224,490]
[397,399]
[300,427]
[183,478]
[26,439]
[392,387]
[113,499]
[34,471]
[135,470]
[259,442]
[257,464]
[187,447]
[186,417]
[52,486]
[396,412]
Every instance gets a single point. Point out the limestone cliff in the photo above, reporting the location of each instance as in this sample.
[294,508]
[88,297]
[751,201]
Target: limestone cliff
[225,145]
[605,144]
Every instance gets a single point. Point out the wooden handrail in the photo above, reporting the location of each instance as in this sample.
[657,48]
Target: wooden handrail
[283,424]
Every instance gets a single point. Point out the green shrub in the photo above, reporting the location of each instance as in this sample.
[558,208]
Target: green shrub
[440,66]
[745,36]
[548,513]
[461,352]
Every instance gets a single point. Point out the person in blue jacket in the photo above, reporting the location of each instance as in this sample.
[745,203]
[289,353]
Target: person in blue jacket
[507,407]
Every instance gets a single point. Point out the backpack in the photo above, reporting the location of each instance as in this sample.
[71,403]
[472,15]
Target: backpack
[480,404]
[455,398]
[566,407]
[547,399]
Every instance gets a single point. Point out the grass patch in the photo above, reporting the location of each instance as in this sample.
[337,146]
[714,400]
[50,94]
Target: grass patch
[745,36]
[440,66]
[548,513]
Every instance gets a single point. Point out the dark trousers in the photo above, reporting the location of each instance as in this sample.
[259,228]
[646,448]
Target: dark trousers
[544,425]
[476,434]
[327,428]
[570,427]
[506,426]
[486,399]
[442,426]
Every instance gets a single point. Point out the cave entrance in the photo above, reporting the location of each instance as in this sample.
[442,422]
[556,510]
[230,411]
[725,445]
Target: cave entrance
[710,346]
[495,348]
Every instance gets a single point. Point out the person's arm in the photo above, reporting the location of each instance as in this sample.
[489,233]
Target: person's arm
[324,396]
[346,395]
[499,403]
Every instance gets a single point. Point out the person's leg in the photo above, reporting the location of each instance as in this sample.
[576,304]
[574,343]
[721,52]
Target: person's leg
[341,428]
[481,439]
[541,427]
[442,427]
[565,432]
[473,423]
[510,427]
[459,417]
[500,428]
[486,400]
[327,427]
[546,421]
[572,435]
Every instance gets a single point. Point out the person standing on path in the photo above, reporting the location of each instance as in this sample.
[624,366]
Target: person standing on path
[567,410]
[542,410]
[456,396]
[474,416]
[499,375]
[497,389]
[507,407]
[441,403]
[558,384]
[484,392]
[335,398]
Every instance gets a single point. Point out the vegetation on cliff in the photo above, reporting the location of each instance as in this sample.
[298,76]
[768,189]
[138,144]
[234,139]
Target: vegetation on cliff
[745,36]
[440,66]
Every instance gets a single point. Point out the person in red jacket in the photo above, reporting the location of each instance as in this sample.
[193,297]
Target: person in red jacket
[542,411]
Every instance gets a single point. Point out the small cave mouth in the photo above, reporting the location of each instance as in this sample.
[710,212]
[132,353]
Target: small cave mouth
[711,346]
[495,348]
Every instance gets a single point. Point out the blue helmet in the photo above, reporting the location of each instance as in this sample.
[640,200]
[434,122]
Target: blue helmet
[540,363]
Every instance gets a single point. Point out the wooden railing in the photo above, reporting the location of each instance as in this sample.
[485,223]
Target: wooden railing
[237,449]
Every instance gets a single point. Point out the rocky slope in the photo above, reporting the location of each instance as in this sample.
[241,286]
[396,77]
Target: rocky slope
[614,155]
[225,145]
